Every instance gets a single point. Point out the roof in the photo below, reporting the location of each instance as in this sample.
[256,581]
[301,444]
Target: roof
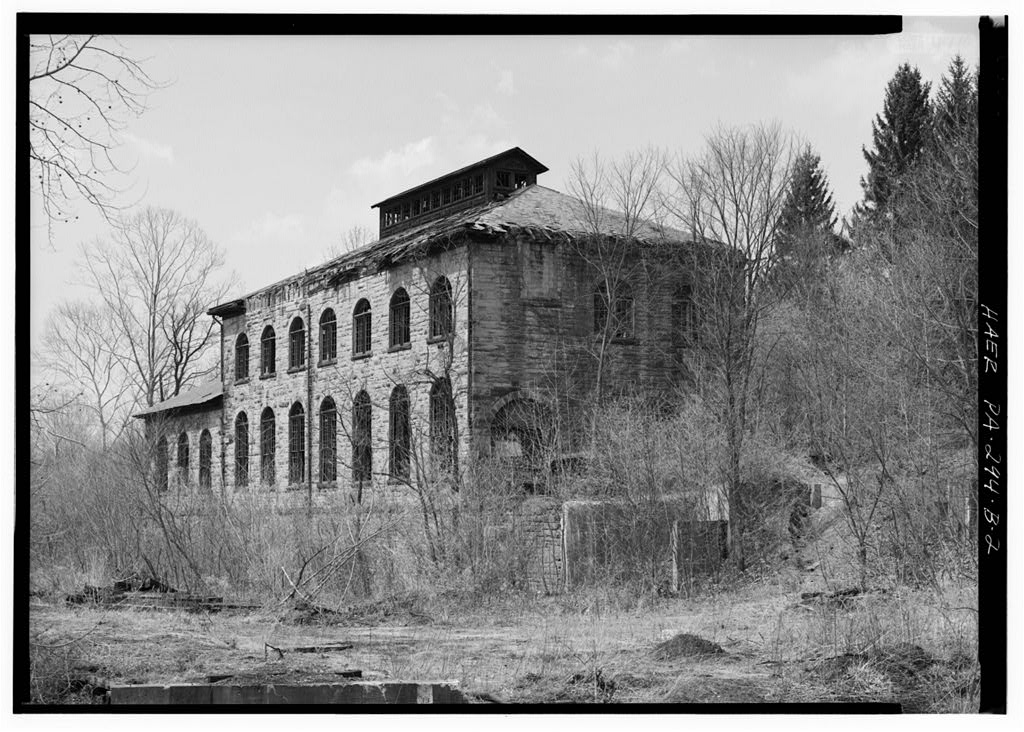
[199,394]
[536,210]
[535,165]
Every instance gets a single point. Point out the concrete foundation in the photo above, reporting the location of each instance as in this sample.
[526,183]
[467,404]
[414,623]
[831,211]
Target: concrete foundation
[357,692]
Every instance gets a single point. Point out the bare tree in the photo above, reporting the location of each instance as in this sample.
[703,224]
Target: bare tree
[618,202]
[350,240]
[82,89]
[730,198]
[84,346]
[157,277]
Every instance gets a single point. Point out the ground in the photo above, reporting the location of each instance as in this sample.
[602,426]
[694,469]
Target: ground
[757,642]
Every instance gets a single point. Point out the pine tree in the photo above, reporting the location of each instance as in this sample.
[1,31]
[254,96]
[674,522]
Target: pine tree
[956,103]
[809,207]
[806,233]
[899,134]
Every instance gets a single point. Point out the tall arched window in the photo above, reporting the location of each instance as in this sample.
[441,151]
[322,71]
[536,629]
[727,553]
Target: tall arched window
[241,449]
[161,464]
[296,344]
[296,444]
[268,445]
[399,434]
[443,433]
[619,305]
[183,458]
[398,326]
[362,444]
[328,441]
[328,336]
[441,308]
[268,352]
[361,328]
[684,320]
[241,357]
[205,460]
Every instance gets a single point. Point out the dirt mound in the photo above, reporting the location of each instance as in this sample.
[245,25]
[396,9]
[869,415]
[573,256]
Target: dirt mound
[686,645]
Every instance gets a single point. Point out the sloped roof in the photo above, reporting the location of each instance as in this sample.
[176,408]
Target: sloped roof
[199,394]
[537,210]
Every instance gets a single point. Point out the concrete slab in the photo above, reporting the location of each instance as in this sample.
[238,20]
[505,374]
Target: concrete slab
[351,692]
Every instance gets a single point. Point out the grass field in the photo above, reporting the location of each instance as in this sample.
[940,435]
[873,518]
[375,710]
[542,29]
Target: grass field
[754,643]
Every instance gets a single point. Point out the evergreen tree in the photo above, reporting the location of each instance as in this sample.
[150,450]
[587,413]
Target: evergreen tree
[956,103]
[806,233]
[899,135]
[809,206]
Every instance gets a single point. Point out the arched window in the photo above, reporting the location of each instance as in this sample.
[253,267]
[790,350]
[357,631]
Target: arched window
[296,444]
[361,328]
[399,434]
[242,357]
[183,458]
[443,434]
[296,344]
[268,352]
[684,317]
[328,441]
[241,449]
[440,308]
[205,459]
[328,336]
[619,304]
[268,444]
[161,464]
[398,327]
[362,445]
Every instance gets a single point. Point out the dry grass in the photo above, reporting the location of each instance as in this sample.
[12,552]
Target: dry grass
[905,646]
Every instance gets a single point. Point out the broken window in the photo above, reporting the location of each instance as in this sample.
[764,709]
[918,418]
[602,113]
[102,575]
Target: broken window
[446,196]
[362,452]
[268,357]
[296,444]
[521,180]
[398,316]
[620,305]
[242,357]
[503,179]
[205,460]
[328,441]
[399,434]
[328,336]
[296,344]
[684,321]
[161,464]
[241,450]
[183,458]
[443,437]
[478,184]
[435,199]
[440,308]
[361,328]
[268,445]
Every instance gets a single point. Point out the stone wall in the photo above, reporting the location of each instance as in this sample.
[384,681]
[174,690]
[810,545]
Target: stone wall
[414,366]
[192,423]
[542,526]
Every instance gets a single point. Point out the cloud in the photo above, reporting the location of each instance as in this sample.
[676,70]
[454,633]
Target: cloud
[276,228]
[506,85]
[611,56]
[151,150]
[403,162]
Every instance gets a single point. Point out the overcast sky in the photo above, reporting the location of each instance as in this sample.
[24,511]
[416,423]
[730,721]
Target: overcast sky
[277,145]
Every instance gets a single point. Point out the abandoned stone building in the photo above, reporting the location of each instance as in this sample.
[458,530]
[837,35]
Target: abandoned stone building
[487,309]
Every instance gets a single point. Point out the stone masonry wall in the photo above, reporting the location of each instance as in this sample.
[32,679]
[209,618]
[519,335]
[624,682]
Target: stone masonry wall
[341,379]
[542,525]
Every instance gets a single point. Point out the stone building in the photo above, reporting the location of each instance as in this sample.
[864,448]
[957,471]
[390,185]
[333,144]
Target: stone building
[488,311]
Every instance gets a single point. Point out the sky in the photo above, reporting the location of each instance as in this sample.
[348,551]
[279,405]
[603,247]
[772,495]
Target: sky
[276,146]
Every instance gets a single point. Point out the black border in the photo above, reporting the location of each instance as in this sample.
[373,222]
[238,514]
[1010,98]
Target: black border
[992,285]
[992,237]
